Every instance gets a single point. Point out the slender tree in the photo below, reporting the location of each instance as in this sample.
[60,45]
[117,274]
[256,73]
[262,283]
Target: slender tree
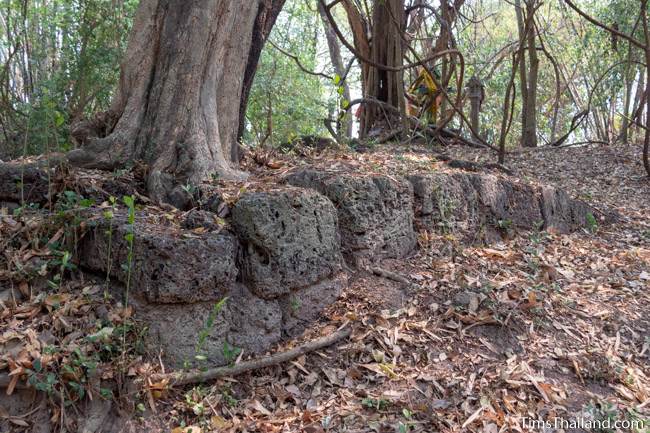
[337,63]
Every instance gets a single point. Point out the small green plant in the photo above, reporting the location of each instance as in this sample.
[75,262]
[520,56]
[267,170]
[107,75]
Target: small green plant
[591,223]
[190,189]
[69,379]
[603,413]
[295,304]
[63,264]
[376,404]
[538,235]
[129,236]
[228,398]
[109,215]
[230,353]
[505,224]
[204,333]
[194,400]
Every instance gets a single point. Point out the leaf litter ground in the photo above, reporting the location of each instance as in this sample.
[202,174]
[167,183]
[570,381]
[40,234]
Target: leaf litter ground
[539,326]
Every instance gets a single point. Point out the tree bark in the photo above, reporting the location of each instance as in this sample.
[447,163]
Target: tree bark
[359,27]
[530,131]
[183,81]
[337,63]
[266,16]
[386,49]
[523,79]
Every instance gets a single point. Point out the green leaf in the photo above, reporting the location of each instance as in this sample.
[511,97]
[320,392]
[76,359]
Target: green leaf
[59,119]
[337,79]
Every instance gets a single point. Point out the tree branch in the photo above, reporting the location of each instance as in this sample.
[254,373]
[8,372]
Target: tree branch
[190,377]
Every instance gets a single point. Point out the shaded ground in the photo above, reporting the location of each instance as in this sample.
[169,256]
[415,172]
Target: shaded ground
[539,326]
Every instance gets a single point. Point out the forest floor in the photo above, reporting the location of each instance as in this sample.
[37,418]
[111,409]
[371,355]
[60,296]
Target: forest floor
[539,327]
[486,339]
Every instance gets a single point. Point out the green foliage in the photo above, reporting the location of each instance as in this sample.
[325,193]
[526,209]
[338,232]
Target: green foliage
[61,59]
[591,223]
[230,352]
[285,102]
[376,404]
[129,201]
[108,216]
[207,329]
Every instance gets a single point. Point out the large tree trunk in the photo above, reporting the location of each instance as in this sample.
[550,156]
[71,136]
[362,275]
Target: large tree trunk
[359,27]
[179,100]
[386,49]
[266,16]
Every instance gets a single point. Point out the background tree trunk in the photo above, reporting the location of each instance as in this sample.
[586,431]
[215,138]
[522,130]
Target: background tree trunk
[337,63]
[183,81]
[386,49]
[523,79]
[266,16]
[530,130]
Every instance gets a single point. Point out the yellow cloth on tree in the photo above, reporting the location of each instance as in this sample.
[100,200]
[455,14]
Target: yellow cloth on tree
[422,96]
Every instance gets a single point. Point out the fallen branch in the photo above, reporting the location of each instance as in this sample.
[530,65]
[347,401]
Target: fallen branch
[391,276]
[192,377]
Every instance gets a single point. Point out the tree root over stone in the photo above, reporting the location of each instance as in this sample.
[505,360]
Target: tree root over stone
[193,377]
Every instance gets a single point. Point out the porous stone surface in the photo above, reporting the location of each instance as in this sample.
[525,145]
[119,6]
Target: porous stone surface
[445,202]
[245,322]
[375,211]
[481,205]
[301,308]
[561,212]
[506,202]
[168,266]
[281,262]
[26,182]
[200,219]
[290,237]
[279,268]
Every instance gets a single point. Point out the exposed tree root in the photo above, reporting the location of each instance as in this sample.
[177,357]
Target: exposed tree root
[192,377]
[391,276]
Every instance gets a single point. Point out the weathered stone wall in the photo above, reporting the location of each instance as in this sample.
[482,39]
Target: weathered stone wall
[281,259]
[279,267]
[375,212]
[481,206]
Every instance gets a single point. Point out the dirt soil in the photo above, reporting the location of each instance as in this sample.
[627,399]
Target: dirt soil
[485,339]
